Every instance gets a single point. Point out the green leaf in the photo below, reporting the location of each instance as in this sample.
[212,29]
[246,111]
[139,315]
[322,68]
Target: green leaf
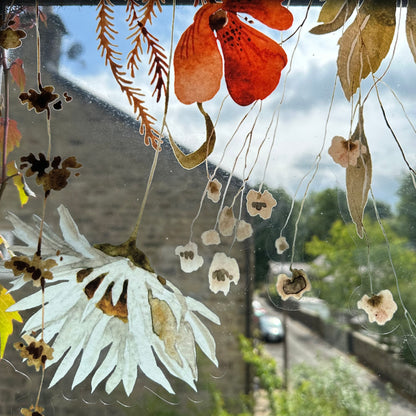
[333,15]
[19,182]
[365,43]
[6,318]
[358,179]
[411,26]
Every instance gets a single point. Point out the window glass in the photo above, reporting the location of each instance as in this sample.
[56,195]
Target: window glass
[295,276]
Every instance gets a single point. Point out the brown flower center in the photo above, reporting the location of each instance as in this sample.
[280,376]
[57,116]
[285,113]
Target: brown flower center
[218,20]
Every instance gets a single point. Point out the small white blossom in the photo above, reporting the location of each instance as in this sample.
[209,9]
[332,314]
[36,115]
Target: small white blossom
[222,272]
[189,257]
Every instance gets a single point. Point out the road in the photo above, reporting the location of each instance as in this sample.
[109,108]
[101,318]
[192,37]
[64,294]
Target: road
[304,346]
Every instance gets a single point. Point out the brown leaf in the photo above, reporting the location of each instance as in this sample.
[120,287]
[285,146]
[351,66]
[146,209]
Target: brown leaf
[333,15]
[411,26]
[194,159]
[358,179]
[365,43]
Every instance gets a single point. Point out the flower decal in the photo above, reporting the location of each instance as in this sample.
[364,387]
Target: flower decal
[252,61]
[32,411]
[108,298]
[281,245]
[294,286]
[210,238]
[222,272]
[380,308]
[260,203]
[214,190]
[11,39]
[36,352]
[226,221]
[32,270]
[244,230]
[346,152]
[41,100]
[189,257]
[57,177]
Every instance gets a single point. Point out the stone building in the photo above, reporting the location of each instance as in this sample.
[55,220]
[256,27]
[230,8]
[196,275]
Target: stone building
[104,201]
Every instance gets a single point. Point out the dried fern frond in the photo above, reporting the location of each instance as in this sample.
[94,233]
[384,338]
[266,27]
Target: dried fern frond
[158,63]
[106,34]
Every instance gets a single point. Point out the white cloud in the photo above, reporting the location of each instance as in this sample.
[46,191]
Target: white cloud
[302,116]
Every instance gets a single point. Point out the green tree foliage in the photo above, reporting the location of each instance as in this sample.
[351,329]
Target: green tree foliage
[330,390]
[406,209]
[344,266]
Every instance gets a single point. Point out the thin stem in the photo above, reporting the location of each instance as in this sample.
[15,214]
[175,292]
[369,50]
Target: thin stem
[135,233]
[6,115]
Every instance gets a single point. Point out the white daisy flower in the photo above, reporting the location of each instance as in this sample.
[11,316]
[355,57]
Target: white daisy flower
[111,297]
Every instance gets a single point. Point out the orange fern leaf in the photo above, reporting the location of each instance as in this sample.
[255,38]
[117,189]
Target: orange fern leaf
[106,35]
[158,63]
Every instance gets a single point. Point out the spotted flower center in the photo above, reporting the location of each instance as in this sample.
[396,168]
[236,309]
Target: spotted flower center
[218,20]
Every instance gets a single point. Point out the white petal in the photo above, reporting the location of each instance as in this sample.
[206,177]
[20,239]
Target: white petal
[17,283]
[23,231]
[117,290]
[203,337]
[130,366]
[72,235]
[199,307]
[29,302]
[117,375]
[91,353]
[68,361]
[109,362]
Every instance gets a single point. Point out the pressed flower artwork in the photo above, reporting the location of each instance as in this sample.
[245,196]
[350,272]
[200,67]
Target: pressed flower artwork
[122,318]
[101,300]
[252,61]
[380,308]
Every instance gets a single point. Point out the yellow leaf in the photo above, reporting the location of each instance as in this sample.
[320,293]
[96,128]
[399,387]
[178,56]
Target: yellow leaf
[411,26]
[6,318]
[333,15]
[358,179]
[19,183]
[365,43]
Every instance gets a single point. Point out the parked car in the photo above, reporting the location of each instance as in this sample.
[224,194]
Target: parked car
[258,309]
[271,328]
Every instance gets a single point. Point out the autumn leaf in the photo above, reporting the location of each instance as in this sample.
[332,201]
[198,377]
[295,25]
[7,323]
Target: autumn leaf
[13,135]
[19,182]
[411,26]
[18,73]
[191,160]
[333,15]
[358,179]
[6,318]
[365,43]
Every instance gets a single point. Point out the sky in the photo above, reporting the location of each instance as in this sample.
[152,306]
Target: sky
[300,105]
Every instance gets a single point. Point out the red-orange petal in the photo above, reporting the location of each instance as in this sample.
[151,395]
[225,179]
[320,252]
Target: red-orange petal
[269,12]
[253,62]
[197,60]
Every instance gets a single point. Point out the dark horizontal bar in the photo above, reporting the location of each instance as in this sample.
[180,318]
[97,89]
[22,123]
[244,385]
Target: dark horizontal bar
[123,2]
[167,2]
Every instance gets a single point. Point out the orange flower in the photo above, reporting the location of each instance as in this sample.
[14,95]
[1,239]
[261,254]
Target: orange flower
[252,61]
